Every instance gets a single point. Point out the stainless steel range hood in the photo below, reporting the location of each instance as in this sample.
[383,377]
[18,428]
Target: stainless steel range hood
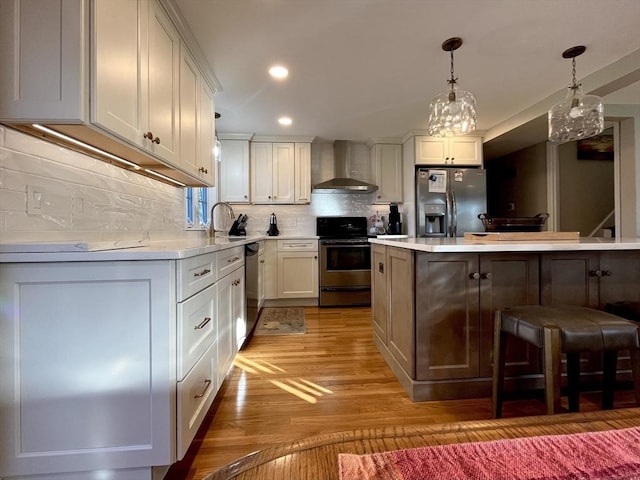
[342,183]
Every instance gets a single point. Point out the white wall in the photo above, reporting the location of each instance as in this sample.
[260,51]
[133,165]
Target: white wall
[81,198]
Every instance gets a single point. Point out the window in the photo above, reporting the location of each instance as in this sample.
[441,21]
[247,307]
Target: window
[197,203]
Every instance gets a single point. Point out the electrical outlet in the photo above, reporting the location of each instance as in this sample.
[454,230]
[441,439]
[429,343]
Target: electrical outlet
[34,200]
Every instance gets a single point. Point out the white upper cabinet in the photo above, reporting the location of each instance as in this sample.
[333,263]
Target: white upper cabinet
[234,171]
[149,75]
[387,168]
[196,120]
[120,45]
[465,150]
[272,172]
[206,134]
[302,173]
[44,71]
[109,73]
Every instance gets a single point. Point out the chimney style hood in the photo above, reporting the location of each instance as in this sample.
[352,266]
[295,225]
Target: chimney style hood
[342,183]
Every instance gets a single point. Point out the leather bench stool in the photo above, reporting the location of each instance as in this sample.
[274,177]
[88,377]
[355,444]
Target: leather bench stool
[568,329]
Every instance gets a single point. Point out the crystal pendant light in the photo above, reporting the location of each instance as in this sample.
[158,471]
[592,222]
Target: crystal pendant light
[217,147]
[452,112]
[577,116]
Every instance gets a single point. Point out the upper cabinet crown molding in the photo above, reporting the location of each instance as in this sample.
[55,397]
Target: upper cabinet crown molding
[235,136]
[185,32]
[283,138]
[383,140]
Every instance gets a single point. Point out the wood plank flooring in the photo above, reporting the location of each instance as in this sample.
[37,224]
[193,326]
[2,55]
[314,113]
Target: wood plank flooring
[330,379]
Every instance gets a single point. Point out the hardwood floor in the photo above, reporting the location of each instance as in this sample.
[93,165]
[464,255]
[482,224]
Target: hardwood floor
[331,379]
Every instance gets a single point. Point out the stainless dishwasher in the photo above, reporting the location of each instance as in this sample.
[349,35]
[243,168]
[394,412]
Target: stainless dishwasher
[251,270]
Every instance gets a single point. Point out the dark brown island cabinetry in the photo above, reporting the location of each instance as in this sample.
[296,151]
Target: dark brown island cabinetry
[590,279]
[393,304]
[433,312]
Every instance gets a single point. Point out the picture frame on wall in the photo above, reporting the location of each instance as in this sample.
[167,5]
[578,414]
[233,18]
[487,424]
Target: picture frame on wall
[598,147]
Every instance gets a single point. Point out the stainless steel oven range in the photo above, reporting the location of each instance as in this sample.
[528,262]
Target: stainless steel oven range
[345,261]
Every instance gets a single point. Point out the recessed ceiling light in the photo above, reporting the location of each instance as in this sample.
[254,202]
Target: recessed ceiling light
[279,72]
[285,121]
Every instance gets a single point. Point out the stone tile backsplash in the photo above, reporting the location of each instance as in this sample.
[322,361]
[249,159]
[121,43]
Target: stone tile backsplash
[50,193]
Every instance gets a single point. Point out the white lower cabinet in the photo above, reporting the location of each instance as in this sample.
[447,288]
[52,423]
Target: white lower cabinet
[231,308]
[195,395]
[87,378]
[112,365]
[297,268]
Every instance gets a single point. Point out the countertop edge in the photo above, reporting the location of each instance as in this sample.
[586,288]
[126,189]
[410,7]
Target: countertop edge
[156,250]
[460,245]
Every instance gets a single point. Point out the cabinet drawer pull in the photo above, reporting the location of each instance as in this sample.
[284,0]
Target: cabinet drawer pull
[207,384]
[203,272]
[202,324]
[203,170]
[234,259]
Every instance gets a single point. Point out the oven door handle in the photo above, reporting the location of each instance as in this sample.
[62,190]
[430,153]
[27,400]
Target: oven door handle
[343,243]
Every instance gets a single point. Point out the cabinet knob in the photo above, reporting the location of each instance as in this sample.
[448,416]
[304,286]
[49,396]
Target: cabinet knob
[606,273]
[315,257]
[149,136]
[487,276]
[595,273]
[475,276]
[245,197]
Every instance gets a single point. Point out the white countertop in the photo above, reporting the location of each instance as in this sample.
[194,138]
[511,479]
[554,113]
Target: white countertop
[100,251]
[460,245]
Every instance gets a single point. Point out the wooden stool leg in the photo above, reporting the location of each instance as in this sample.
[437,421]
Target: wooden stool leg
[551,359]
[499,351]
[635,369]
[609,364]
[573,381]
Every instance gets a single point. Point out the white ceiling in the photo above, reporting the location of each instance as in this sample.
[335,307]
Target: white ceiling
[362,69]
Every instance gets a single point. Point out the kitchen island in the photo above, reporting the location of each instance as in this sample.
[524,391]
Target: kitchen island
[434,299]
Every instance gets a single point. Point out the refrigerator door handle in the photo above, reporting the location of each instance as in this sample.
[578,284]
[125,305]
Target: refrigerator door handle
[454,215]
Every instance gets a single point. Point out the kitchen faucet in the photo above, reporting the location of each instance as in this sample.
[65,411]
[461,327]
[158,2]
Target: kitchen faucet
[212,230]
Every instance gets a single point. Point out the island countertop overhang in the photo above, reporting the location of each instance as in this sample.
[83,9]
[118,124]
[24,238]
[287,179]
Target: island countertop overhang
[461,245]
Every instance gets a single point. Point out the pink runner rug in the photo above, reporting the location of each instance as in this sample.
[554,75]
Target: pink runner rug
[606,455]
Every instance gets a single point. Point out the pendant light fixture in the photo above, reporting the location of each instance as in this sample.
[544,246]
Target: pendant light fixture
[577,116]
[217,147]
[452,112]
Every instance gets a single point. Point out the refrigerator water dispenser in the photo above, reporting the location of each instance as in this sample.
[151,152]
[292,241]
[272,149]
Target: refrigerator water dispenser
[434,216]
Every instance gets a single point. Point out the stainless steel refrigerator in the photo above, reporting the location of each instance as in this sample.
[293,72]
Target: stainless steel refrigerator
[448,201]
